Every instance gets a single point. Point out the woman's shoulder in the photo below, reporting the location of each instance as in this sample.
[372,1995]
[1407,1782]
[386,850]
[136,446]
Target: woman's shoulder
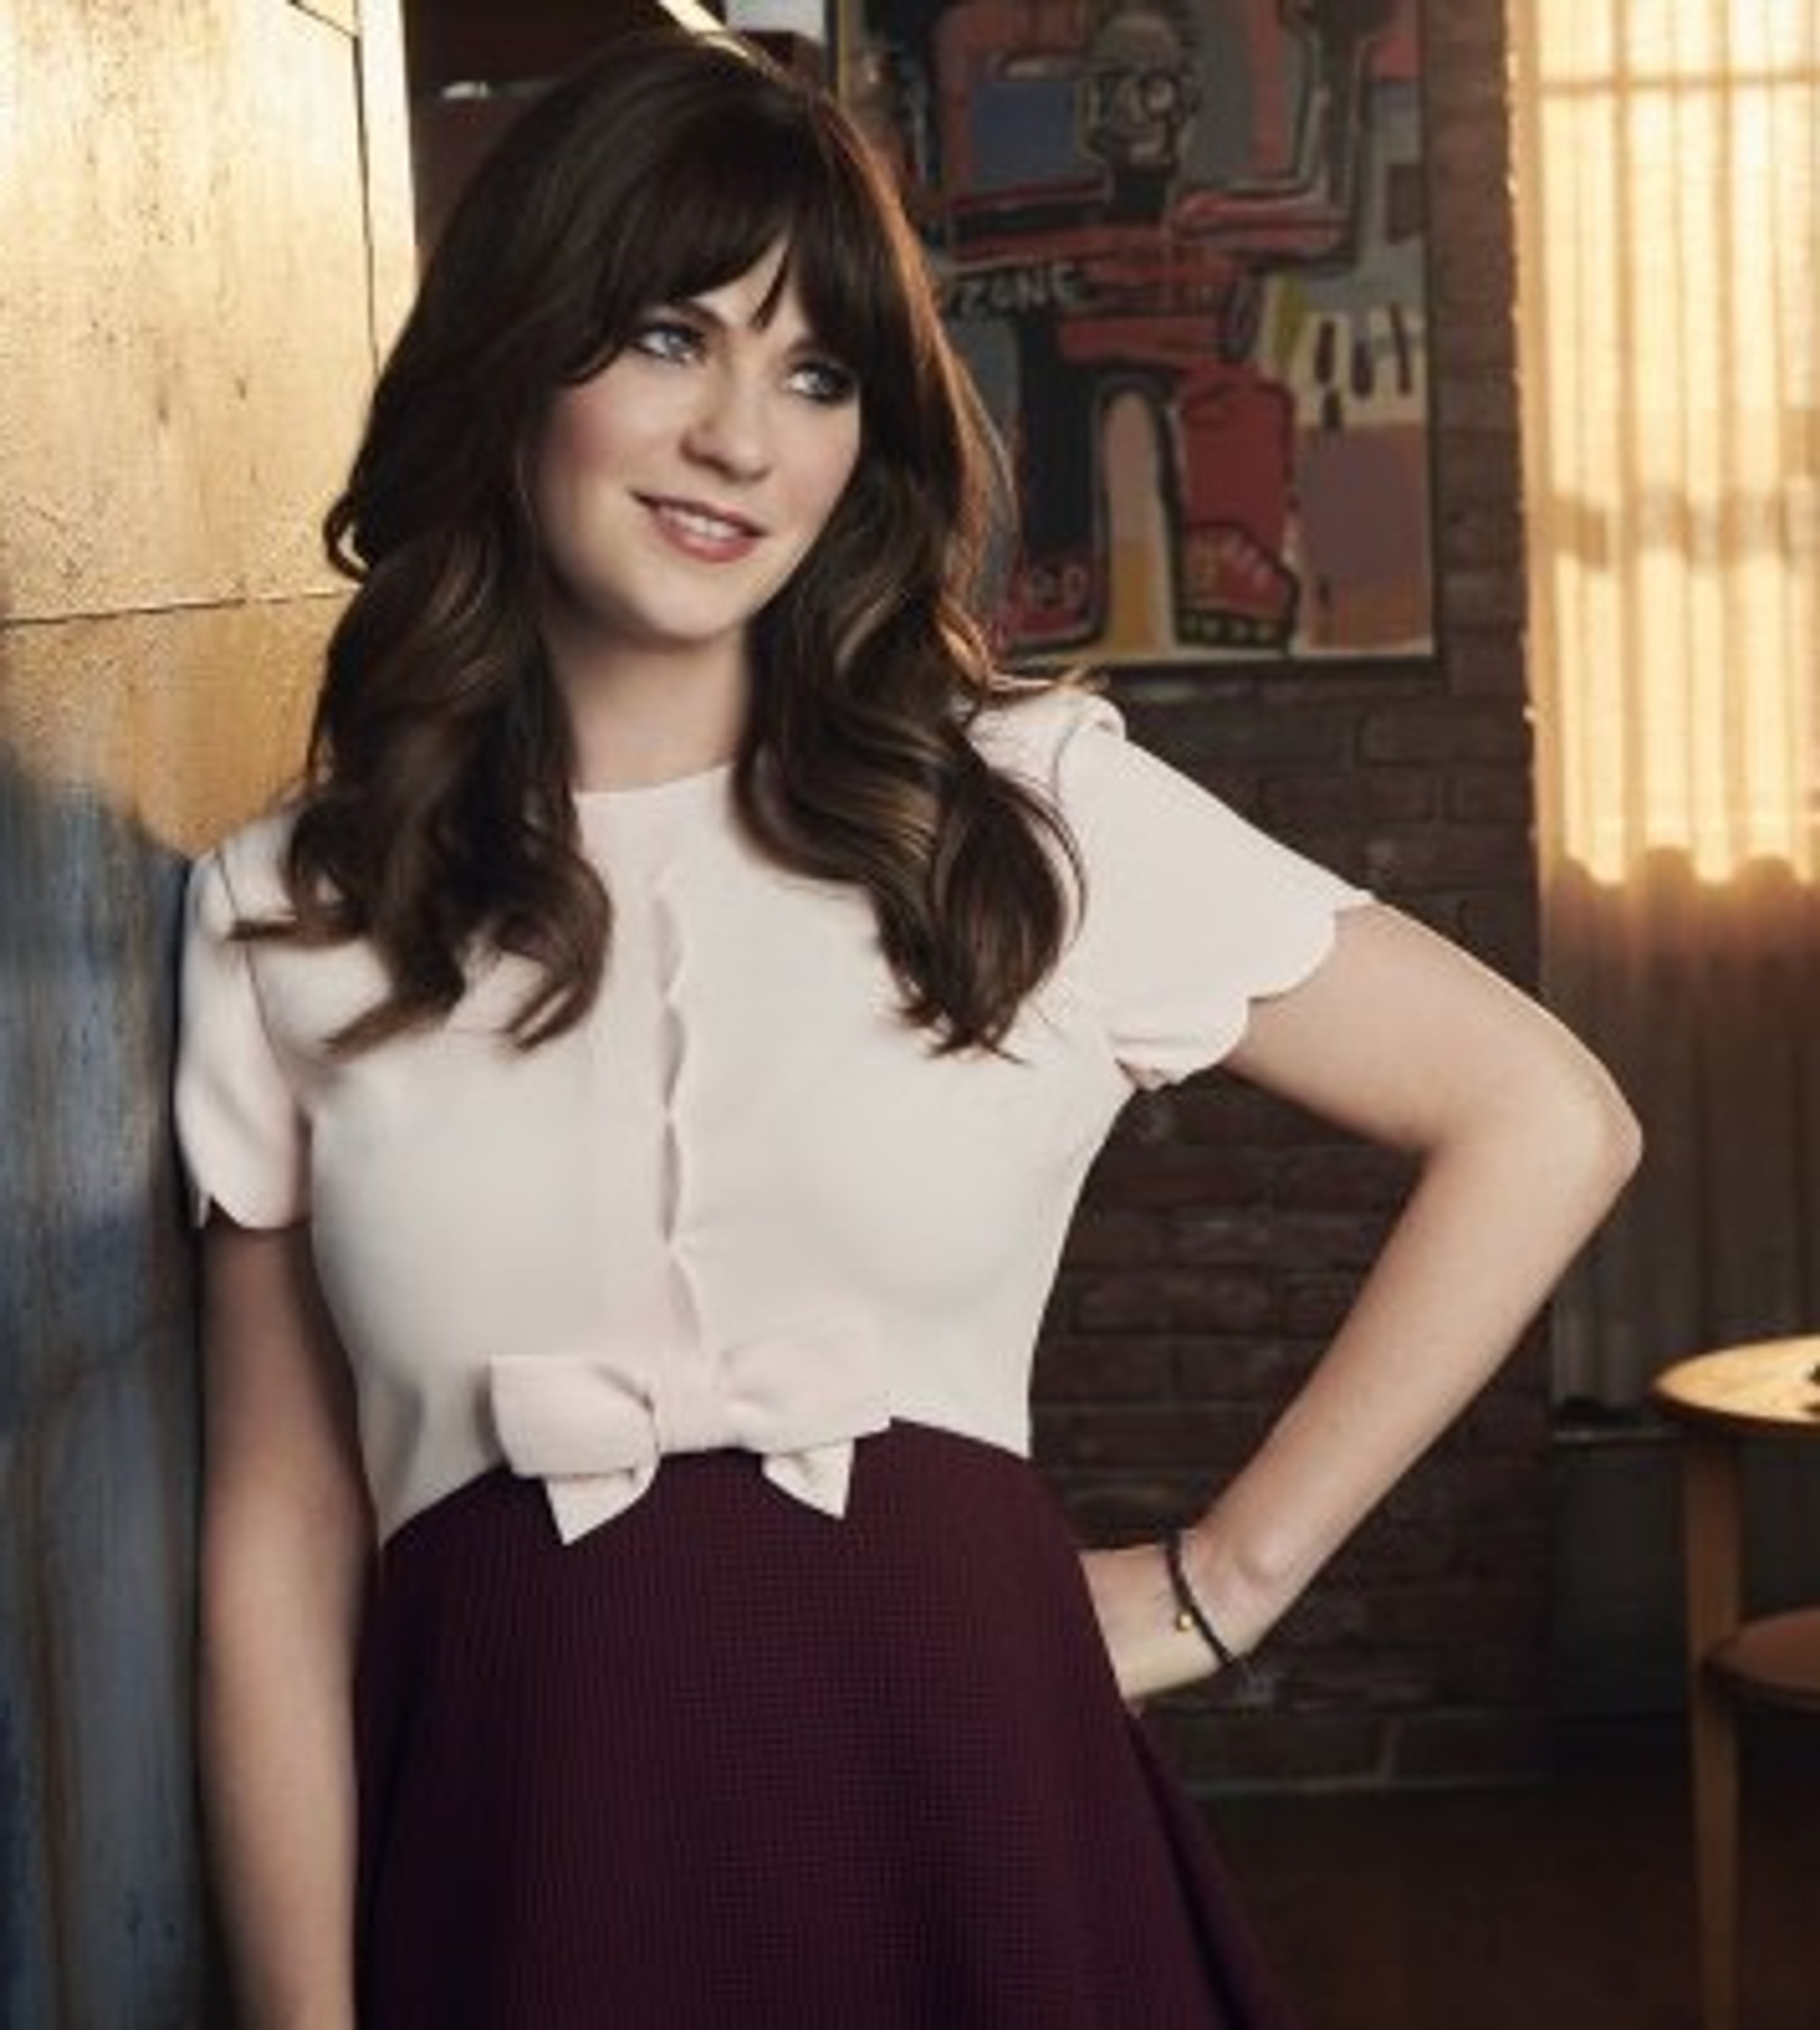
[307,988]
[1025,726]
[246,867]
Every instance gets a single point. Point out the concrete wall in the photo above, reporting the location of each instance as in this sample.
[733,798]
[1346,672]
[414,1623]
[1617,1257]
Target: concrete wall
[204,224]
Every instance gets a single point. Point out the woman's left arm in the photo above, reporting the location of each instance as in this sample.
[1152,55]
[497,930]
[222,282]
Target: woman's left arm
[1523,1142]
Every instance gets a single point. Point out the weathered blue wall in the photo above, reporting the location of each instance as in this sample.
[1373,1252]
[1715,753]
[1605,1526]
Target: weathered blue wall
[99,1905]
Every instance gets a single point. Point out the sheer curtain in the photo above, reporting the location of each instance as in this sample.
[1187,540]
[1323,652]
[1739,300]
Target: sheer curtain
[1668,185]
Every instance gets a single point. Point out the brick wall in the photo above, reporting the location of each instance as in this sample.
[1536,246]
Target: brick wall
[1223,1233]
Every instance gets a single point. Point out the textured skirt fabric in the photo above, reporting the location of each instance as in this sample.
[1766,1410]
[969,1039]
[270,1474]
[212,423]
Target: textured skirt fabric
[725,1761]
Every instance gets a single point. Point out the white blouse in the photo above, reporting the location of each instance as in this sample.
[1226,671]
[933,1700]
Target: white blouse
[743,1203]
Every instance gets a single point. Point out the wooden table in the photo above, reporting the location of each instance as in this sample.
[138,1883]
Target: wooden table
[1768,1389]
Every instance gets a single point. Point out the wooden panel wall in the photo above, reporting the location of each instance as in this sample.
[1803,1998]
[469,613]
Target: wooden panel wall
[206,237]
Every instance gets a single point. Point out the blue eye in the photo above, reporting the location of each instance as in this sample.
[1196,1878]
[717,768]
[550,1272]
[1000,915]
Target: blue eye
[822,381]
[669,339]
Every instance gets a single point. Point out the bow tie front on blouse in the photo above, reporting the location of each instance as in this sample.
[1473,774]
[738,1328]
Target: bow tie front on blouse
[594,1428]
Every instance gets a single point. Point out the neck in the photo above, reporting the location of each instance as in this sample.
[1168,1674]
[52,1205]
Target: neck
[641,717]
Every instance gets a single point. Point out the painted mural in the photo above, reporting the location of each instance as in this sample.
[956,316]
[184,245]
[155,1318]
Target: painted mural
[1181,247]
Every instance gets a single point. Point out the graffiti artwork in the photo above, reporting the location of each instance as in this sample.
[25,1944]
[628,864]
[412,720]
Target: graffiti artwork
[1181,247]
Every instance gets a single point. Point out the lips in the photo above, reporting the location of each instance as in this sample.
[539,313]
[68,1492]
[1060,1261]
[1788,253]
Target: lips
[714,534]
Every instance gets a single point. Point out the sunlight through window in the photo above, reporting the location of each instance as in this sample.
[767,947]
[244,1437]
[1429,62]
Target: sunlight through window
[1669,159]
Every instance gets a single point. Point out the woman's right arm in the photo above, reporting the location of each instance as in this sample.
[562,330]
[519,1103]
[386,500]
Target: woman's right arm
[286,1544]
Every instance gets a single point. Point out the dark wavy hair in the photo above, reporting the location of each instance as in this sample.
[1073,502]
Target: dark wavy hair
[435,819]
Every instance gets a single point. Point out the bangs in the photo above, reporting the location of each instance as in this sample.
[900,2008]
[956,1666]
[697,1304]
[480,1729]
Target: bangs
[731,191]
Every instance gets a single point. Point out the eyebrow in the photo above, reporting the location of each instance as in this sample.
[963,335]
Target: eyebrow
[782,277]
[697,307]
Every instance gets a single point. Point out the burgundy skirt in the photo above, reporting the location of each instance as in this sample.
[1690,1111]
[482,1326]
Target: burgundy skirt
[725,1761]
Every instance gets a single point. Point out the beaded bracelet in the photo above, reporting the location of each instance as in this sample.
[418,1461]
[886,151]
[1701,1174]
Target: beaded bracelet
[1189,1614]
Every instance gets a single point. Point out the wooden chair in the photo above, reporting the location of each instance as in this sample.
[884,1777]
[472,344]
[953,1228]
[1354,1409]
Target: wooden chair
[1768,1389]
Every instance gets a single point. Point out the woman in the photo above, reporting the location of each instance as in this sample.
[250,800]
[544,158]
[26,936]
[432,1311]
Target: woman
[635,1094]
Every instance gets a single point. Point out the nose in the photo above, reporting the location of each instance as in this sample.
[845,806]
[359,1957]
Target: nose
[730,427]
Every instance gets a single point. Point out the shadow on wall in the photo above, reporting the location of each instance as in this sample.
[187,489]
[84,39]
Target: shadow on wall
[100,1902]
[1703,995]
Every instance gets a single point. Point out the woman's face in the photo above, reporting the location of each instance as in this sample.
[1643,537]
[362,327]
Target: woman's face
[677,488]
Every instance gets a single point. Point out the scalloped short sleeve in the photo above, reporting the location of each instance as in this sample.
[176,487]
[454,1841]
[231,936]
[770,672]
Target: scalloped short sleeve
[242,1134]
[1191,912]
